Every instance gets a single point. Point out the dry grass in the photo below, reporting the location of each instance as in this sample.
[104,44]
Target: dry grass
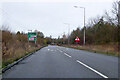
[14,47]
[110,49]
[13,54]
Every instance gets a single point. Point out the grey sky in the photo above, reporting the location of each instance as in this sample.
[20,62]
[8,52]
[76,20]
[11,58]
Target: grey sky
[49,17]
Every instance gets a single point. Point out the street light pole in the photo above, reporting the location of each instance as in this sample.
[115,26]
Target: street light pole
[84,26]
[84,22]
[68,32]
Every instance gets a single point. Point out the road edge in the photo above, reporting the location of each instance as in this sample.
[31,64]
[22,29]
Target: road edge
[19,60]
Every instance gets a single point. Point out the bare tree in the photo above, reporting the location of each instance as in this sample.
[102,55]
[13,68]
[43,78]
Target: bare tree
[93,21]
[119,12]
[113,16]
[115,11]
[108,17]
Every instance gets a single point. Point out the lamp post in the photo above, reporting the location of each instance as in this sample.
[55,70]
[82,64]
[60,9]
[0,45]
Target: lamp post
[84,21]
[68,31]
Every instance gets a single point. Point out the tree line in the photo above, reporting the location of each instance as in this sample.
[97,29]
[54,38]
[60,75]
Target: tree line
[100,30]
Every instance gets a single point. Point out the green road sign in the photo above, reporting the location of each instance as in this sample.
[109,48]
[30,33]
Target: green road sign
[32,36]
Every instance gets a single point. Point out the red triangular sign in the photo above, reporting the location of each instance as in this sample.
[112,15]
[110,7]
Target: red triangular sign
[77,39]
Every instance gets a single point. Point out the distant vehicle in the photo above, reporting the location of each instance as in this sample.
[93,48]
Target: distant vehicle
[59,44]
[52,43]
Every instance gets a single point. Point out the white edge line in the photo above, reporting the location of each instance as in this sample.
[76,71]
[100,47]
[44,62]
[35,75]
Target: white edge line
[67,55]
[92,69]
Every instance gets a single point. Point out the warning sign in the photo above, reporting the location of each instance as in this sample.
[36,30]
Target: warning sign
[77,38]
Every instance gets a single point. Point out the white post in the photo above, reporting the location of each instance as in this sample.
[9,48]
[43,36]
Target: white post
[68,32]
[84,23]
[84,26]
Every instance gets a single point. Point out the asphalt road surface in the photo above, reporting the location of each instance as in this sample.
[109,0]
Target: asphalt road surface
[62,62]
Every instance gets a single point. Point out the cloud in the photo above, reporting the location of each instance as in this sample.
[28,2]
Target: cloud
[56,1]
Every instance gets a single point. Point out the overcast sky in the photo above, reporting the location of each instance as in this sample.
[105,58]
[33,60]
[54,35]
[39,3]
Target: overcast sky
[49,16]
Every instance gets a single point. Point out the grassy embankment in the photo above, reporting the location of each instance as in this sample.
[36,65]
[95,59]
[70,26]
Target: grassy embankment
[15,54]
[108,49]
[15,46]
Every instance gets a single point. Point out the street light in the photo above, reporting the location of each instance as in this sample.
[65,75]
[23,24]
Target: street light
[84,21]
[68,31]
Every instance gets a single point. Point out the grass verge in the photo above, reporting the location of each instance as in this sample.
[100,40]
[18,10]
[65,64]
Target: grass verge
[12,59]
[112,53]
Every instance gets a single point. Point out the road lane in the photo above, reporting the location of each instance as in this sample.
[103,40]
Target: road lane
[107,65]
[50,62]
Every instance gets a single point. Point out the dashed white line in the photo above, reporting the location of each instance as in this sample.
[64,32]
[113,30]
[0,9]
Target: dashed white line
[67,55]
[92,69]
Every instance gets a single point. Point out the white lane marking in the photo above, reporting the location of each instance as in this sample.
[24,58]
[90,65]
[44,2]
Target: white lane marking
[67,55]
[92,69]
[48,49]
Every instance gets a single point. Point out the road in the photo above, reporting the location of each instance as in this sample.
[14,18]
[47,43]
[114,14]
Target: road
[62,62]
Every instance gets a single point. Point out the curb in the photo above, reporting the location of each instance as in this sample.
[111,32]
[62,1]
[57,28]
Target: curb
[19,60]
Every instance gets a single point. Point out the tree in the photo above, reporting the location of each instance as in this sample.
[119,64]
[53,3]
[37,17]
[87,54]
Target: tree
[18,33]
[113,16]
[40,34]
